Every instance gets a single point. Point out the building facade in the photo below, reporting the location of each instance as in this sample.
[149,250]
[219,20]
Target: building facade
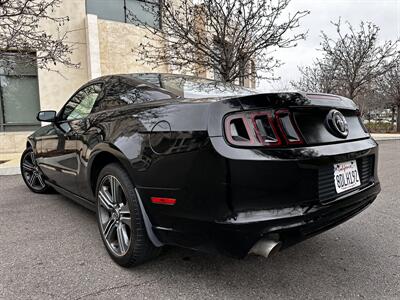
[103,41]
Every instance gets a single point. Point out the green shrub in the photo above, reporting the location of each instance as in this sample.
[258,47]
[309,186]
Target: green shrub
[380,127]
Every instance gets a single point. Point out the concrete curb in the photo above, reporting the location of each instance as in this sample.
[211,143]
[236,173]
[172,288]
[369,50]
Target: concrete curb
[11,166]
[386,137]
[10,171]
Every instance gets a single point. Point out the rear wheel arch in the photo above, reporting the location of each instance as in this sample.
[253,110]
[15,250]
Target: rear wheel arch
[102,159]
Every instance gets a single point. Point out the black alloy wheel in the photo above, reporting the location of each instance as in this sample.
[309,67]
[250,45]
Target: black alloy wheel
[120,219]
[31,173]
[114,215]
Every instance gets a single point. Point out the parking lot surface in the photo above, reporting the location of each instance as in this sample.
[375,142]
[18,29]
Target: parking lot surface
[50,248]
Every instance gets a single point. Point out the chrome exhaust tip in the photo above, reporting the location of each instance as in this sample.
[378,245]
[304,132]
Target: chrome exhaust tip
[265,247]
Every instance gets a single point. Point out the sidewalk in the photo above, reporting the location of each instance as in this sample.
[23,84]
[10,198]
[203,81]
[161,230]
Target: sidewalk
[386,136]
[9,162]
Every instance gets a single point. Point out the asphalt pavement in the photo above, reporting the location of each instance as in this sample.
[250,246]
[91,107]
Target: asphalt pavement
[50,248]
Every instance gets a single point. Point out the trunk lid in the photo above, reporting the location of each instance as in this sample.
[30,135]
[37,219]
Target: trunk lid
[286,100]
[310,114]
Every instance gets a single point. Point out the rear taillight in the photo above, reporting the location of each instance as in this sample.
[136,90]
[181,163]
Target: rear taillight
[288,127]
[265,128]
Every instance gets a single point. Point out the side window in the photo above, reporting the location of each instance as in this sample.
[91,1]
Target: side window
[123,91]
[19,92]
[80,105]
[145,11]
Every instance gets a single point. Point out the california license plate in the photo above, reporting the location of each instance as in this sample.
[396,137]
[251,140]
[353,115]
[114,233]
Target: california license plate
[346,176]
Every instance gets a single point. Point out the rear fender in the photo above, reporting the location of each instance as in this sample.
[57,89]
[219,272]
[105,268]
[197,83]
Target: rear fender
[122,159]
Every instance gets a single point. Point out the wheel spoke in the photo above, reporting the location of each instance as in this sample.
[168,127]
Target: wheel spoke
[122,237]
[32,179]
[114,189]
[40,179]
[110,226]
[125,209]
[108,196]
[32,158]
[28,166]
[126,220]
[125,215]
[105,200]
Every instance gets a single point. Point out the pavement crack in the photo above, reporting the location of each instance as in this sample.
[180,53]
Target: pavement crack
[98,292]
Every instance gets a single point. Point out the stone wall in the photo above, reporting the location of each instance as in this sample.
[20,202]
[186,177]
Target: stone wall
[57,86]
[116,43]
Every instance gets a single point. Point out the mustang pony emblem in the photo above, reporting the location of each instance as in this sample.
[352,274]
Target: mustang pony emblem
[337,124]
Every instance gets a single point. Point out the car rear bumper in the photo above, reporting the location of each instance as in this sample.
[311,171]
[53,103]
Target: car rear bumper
[282,194]
[236,235]
[294,224]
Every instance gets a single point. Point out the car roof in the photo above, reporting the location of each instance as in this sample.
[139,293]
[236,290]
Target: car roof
[310,95]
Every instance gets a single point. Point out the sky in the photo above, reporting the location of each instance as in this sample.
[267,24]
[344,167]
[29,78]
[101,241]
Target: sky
[384,13]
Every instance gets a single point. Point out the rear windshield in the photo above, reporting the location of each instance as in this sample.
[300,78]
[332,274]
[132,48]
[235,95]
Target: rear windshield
[190,87]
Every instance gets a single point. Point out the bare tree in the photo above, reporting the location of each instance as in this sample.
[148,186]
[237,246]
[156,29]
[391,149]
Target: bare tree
[320,77]
[359,57]
[233,38]
[352,65]
[370,100]
[389,86]
[22,39]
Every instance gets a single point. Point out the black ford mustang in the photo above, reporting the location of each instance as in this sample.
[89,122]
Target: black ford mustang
[176,160]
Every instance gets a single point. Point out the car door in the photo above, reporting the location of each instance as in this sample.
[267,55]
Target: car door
[58,151]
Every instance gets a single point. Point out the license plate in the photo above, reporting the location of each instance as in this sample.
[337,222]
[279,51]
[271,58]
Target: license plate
[346,176]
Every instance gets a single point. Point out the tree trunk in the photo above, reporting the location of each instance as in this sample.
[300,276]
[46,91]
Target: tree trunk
[398,118]
[393,111]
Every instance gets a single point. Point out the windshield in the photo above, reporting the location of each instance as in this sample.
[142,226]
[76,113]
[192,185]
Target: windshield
[190,87]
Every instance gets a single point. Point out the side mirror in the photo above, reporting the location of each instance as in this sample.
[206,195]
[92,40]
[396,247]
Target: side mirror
[47,116]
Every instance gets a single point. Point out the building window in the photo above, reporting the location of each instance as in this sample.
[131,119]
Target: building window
[19,96]
[148,11]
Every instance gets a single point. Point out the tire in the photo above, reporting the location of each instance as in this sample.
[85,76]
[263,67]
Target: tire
[31,174]
[119,218]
